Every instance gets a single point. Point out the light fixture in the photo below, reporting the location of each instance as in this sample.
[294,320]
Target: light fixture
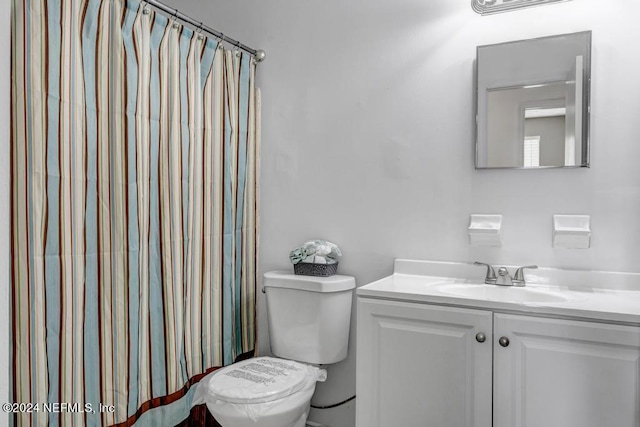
[487,7]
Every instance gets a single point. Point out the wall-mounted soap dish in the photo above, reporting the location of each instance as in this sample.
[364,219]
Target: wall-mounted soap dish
[572,231]
[485,230]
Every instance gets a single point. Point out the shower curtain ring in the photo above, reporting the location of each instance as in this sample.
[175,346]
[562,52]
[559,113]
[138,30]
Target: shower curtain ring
[199,31]
[220,41]
[145,8]
[175,19]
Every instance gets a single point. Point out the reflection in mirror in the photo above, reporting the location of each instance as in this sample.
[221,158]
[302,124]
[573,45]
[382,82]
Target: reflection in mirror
[533,106]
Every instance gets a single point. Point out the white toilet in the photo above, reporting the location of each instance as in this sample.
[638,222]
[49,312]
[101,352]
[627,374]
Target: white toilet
[309,320]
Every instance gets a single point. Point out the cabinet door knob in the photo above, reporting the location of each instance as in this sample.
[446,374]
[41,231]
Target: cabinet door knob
[480,337]
[503,341]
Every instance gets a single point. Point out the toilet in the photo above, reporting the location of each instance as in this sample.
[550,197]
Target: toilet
[309,320]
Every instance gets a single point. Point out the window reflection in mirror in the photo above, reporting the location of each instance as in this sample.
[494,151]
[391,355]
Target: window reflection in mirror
[533,106]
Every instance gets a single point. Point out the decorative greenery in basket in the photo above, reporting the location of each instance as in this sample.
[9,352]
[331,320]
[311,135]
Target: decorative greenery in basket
[315,258]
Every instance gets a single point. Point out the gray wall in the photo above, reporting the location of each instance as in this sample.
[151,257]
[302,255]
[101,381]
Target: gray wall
[368,107]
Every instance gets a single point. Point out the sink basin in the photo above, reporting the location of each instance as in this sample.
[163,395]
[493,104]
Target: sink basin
[501,293]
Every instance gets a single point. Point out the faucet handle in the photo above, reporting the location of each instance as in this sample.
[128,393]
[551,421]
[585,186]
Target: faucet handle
[518,277]
[490,278]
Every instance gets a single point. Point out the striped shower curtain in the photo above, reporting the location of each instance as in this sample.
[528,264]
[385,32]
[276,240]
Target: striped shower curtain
[133,156]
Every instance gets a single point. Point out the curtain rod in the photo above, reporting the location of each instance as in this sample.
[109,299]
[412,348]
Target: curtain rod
[258,54]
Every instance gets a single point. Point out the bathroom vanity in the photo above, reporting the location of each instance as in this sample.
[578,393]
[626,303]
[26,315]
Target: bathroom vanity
[438,347]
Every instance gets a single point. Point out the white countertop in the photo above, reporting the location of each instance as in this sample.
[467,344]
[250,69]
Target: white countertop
[603,296]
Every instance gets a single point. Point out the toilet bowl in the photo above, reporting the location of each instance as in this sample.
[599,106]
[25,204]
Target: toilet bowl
[260,392]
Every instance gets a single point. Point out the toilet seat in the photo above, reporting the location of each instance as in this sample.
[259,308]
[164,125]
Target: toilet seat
[259,380]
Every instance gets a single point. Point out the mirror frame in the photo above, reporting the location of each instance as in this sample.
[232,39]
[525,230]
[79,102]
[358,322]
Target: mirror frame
[586,104]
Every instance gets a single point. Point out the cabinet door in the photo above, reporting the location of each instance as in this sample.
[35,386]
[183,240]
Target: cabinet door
[561,373]
[421,365]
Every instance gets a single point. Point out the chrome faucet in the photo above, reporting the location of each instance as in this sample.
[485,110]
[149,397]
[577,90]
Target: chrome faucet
[490,278]
[518,278]
[505,278]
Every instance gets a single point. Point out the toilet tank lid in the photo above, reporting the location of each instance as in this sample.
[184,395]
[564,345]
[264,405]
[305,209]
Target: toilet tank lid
[285,279]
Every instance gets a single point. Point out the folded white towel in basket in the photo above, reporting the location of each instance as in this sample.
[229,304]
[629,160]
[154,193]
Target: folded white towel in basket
[316,252]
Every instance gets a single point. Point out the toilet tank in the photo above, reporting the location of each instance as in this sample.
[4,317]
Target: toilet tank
[309,317]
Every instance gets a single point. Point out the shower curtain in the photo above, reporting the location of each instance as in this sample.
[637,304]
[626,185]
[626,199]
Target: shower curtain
[133,156]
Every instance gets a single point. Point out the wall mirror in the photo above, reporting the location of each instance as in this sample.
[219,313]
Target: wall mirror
[533,103]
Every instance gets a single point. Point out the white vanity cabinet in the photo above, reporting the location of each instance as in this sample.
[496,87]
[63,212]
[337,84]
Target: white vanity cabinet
[427,365]
[421,365]
[565,373]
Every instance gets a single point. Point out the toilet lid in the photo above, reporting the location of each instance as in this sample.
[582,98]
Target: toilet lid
[261,379]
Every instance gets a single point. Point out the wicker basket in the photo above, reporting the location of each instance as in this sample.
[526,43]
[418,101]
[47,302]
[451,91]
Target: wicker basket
[308,269]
